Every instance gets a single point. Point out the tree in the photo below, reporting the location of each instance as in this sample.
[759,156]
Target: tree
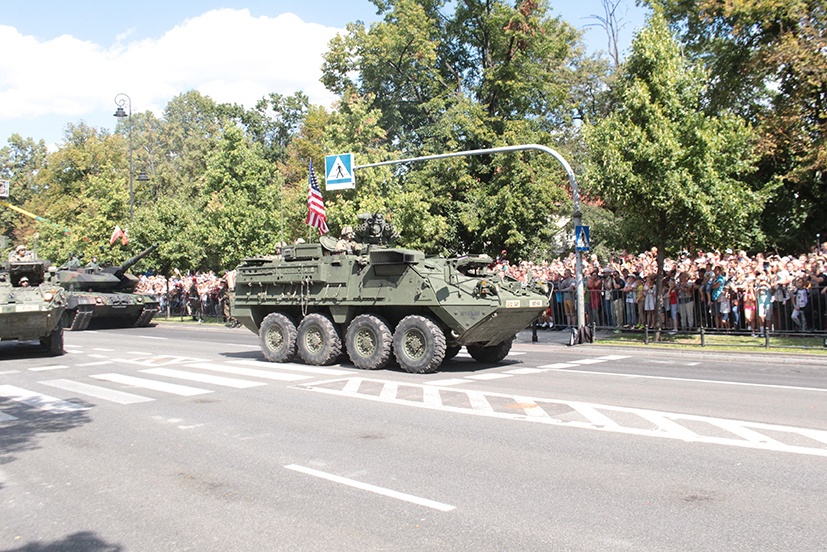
[20,162]
[462,76]
[767,61]
[675,173]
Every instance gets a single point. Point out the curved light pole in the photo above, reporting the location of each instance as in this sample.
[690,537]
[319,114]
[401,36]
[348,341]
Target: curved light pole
[124,100]
[575,193]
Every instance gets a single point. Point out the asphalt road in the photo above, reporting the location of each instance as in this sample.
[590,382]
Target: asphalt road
[180,437]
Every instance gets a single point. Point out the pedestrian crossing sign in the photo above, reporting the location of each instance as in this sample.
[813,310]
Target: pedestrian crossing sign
[339,172]
[581,238]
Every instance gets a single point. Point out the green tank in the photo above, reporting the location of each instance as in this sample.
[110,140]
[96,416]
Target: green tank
[106,296]
[318,303]
[31,304]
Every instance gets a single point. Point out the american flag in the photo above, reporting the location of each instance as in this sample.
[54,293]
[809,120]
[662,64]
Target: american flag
[315,206]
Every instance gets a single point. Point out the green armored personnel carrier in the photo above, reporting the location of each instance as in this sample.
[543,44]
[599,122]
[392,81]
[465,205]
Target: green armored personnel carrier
[380,300]
[31,304]
[106,295]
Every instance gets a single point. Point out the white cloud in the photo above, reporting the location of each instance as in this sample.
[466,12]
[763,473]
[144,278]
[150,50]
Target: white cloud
[226,54]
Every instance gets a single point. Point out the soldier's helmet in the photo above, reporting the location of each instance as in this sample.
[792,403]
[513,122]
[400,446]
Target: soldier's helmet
[24,280]
[23,248]
[347,231]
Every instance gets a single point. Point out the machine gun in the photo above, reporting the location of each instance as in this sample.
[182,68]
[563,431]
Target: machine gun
[375,230]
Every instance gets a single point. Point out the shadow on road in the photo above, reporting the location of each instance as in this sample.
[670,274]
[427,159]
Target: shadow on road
[82,541]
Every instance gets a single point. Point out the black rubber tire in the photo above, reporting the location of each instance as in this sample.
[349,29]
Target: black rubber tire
[319,343]
[369,341]
[451,352]
[418,345]
[277,336]
[495,353]
[53,343]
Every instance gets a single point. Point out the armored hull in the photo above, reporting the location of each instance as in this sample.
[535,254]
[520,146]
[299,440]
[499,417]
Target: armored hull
[33,312]
[317,303]
[106,296]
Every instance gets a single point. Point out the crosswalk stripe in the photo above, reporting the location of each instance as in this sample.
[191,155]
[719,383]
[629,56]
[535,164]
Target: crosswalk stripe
[51,367]
[155,385]
[492,376]
[39,400]
[6,417]
[252,372]
[104,393]
[203,378]
[588,361]
[293,367]
[557,365]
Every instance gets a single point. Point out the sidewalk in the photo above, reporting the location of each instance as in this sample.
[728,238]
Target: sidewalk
[760,355]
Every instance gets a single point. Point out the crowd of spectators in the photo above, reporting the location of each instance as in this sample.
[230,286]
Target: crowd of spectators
[195,295]
[727,290]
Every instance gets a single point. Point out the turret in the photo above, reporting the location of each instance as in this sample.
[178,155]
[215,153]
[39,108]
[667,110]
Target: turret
[374,229]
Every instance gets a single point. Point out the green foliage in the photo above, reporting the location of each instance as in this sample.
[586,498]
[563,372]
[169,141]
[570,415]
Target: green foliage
[768,62]
[674,173]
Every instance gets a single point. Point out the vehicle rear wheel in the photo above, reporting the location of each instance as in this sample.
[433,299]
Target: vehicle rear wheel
[495,353]
[277,337]
[369,342]
[318,340]
[53,343]
[419,345]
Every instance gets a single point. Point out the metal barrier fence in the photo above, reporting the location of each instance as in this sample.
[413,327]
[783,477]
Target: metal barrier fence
[779,310]
[178,305]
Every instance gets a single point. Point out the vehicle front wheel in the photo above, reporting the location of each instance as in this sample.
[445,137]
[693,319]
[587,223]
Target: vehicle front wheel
[53,343]
[318,340]
[277,337]
[495,353]
[418,344]
[369,342]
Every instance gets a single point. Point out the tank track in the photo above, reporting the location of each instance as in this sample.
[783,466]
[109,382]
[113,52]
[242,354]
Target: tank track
[146,317]
[81,319]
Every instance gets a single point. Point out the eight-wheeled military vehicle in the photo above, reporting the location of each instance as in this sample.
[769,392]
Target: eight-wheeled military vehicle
[106,295]
[318,302]
[31,304]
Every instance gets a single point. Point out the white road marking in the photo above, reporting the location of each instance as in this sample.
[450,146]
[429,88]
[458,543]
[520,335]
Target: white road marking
[372,488]
[6,417]
[102,349]
[589,361]
[203,378]
[525,371]
[151,337]
[98,356]
[251,372]
[97,363]
[155,385]
[614,357]
[601,417]
[557,366]
[39,400]
[694,380]
[52,367]
[7,372]
[104,393]
[492,376]
[449,381]
[293,367]
[141,353]
[160,360]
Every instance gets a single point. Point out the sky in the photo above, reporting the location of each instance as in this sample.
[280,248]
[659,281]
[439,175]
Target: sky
[65,61]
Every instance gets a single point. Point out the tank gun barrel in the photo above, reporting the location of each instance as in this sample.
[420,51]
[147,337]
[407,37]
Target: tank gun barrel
[130,262]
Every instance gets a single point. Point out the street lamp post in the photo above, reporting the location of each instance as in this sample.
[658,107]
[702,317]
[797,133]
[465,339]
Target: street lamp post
[121,100]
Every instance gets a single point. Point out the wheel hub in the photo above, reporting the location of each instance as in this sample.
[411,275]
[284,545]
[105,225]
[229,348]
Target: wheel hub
[314,340]
[275,338]
[415,346]
[365,342]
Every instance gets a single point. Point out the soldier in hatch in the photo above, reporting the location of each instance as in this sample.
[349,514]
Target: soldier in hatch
[20,254]
[346,243]
[73,263]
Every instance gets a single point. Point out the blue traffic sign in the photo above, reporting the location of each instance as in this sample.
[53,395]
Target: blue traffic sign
[339,172]
[582,241]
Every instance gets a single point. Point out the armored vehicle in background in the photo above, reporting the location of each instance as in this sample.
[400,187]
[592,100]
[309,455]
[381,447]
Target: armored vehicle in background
[380,300]
[31,304]
[106,295]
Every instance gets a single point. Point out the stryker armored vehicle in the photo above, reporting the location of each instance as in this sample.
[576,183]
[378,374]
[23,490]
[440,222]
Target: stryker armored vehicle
[31,304]
[106,295]
[319,302]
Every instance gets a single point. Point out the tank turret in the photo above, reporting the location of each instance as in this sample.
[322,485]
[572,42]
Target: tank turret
[106,294]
